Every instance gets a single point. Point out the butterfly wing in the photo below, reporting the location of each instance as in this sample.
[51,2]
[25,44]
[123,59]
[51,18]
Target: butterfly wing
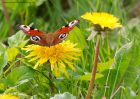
[49,39]
[62,33]
[68,27]
[36,36]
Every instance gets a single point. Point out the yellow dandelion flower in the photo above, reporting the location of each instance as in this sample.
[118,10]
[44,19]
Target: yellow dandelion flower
[8,96]
[58,56]
[104,20]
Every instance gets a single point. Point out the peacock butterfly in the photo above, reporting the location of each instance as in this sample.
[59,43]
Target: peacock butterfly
[48,39]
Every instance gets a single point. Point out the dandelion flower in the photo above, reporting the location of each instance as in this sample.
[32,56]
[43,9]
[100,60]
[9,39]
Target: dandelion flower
[6,96]
[104,20]
[59,56]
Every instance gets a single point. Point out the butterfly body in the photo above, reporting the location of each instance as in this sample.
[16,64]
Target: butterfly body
[48,39]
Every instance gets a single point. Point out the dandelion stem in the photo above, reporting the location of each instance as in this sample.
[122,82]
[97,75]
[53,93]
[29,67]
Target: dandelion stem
[94,68]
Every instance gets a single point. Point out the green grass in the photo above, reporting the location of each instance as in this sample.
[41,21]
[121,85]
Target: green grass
[121,45]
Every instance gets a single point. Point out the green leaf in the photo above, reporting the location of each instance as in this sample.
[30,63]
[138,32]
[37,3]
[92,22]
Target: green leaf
[2,48]
[133,68]
[12,53]
[124,50]
[19,75]
[115,75]
[17,40]
[20,4]
[3,57]
[3,61]
[39,2]
[136,54]
[77,37]
[88,76]
[123,57]
[65,95]
[104,66]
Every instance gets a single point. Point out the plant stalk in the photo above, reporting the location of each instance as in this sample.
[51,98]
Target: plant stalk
[6,16]
[94,68]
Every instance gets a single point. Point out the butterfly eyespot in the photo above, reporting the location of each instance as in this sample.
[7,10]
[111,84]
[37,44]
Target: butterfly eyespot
[72,22]
[63,36]
[35,38]
[25,26]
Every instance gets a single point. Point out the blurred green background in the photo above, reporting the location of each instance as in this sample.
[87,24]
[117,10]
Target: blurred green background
[121,45]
